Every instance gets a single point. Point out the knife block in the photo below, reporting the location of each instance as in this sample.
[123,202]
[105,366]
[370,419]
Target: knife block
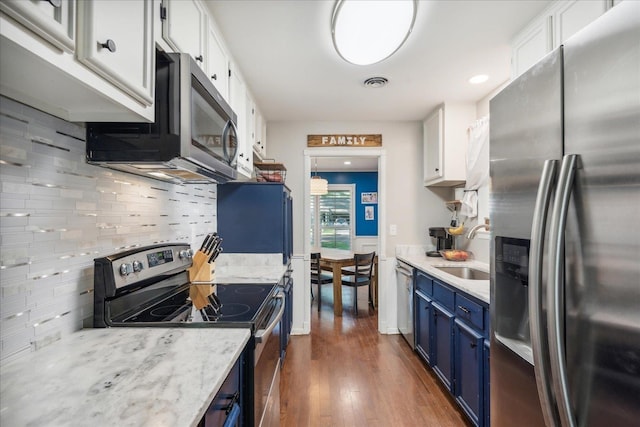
[200,270]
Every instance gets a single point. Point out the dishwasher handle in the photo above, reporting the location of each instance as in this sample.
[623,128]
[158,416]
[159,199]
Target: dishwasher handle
[404,270]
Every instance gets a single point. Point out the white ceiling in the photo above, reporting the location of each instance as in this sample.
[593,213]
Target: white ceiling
[286,55]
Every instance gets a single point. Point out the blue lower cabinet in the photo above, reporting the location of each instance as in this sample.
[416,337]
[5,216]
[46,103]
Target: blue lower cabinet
[452,336]
[442,352]
[469,370]
[422,328]
[226,408]
[487,384]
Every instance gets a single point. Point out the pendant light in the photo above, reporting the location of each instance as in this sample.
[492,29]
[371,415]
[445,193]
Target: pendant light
[319,186]
[368,31]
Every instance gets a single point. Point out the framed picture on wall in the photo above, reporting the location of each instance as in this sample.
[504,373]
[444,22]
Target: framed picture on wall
[369,214]
[369,198]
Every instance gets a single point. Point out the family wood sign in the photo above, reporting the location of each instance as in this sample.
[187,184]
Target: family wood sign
[344,141]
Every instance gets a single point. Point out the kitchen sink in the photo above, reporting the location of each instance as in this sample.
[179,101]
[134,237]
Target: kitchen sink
[465,273]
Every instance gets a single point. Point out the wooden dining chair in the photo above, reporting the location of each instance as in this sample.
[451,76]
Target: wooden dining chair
[318,276]
[360,275]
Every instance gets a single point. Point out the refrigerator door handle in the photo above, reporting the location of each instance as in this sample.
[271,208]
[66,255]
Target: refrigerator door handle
[539,343]
[555,293]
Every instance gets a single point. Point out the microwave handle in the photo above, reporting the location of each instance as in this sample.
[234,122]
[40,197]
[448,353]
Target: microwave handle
[225,135]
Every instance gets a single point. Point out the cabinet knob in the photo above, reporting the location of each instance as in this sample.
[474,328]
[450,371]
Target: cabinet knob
[473,345]
[214,77]
[110,45]
[55,3]
[199,58]
[437,170]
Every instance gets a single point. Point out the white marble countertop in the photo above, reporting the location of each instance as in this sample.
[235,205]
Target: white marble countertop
[120,376]
[249,268]
[476,288]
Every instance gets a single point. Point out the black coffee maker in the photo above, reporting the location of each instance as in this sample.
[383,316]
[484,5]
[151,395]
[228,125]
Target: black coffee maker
[443,240]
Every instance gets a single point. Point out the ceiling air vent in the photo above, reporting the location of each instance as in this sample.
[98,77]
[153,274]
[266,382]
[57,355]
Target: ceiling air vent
[375,82]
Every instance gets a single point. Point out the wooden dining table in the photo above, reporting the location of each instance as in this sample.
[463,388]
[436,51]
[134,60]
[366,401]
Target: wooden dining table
[334,260]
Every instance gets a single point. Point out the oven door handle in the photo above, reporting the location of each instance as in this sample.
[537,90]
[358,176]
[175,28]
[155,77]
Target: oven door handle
[263,334]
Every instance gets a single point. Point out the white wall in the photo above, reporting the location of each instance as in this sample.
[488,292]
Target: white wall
[408,204]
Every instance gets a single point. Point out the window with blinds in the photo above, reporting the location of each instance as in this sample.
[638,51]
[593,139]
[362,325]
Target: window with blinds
[331,219]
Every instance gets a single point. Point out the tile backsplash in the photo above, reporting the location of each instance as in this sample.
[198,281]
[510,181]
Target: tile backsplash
[58,213]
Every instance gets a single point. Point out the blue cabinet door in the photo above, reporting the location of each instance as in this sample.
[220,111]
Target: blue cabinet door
[255,217]
[487,385]
[442,352]
[469,370]
[422,325]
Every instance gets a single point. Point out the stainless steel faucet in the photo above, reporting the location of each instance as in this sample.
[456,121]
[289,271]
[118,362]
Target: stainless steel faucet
[474,230]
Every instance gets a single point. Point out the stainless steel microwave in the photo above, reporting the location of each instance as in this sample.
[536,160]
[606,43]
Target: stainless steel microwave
[193,139]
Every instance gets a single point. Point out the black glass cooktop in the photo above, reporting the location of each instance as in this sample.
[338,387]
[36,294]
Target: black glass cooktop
[239,303]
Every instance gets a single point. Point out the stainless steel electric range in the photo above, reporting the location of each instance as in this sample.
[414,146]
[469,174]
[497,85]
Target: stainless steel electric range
[149,287]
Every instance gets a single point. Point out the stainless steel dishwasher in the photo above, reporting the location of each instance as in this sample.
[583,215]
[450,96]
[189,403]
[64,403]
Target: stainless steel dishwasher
[404,280]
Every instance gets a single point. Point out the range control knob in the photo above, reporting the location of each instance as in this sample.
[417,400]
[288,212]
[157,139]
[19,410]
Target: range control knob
[137,266]
[126,269]
[186,254]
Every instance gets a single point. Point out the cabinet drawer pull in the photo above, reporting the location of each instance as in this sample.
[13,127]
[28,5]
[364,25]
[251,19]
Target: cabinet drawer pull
[214,77]
[465,309]
[110,45]
[473,345]
[199,58]
[55,3]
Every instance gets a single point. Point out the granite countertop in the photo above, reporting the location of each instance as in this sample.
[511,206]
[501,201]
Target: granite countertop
[475,288]
[120,376]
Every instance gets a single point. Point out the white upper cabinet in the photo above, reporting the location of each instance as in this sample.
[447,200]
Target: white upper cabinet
[183,27]
[260,140]
[551,28]
[114,40]
[445,144]
[53,20]
[217,62]
[571,17]
[79,61]
[530,46]
[238,102]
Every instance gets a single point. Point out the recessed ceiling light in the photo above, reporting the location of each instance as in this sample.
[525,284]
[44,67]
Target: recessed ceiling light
[366,32]
[480,78]
[347,162]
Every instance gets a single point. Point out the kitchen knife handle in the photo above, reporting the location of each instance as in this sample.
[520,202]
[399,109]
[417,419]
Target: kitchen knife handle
[205,242]
[555,293]
[539,344]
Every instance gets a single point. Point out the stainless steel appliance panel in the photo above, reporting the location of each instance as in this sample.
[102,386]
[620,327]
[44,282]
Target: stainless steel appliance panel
[267,370]
[526,130]
[602,243]
[404,279]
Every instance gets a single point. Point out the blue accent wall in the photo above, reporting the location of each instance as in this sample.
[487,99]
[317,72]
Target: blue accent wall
[366,182]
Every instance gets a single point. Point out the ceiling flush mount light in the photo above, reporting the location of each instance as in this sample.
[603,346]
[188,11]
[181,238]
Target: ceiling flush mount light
[319,186]
[365,32]
[480,78]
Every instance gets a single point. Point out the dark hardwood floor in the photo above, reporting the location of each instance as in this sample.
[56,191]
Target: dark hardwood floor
[347,374]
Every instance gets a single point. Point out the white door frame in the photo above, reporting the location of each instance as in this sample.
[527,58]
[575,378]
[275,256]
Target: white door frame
[309,153]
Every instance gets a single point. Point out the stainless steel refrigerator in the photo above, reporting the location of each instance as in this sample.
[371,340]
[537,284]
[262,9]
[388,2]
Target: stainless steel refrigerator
[565,218]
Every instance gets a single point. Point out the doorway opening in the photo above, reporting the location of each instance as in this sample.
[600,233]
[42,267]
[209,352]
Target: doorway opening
[374,243]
